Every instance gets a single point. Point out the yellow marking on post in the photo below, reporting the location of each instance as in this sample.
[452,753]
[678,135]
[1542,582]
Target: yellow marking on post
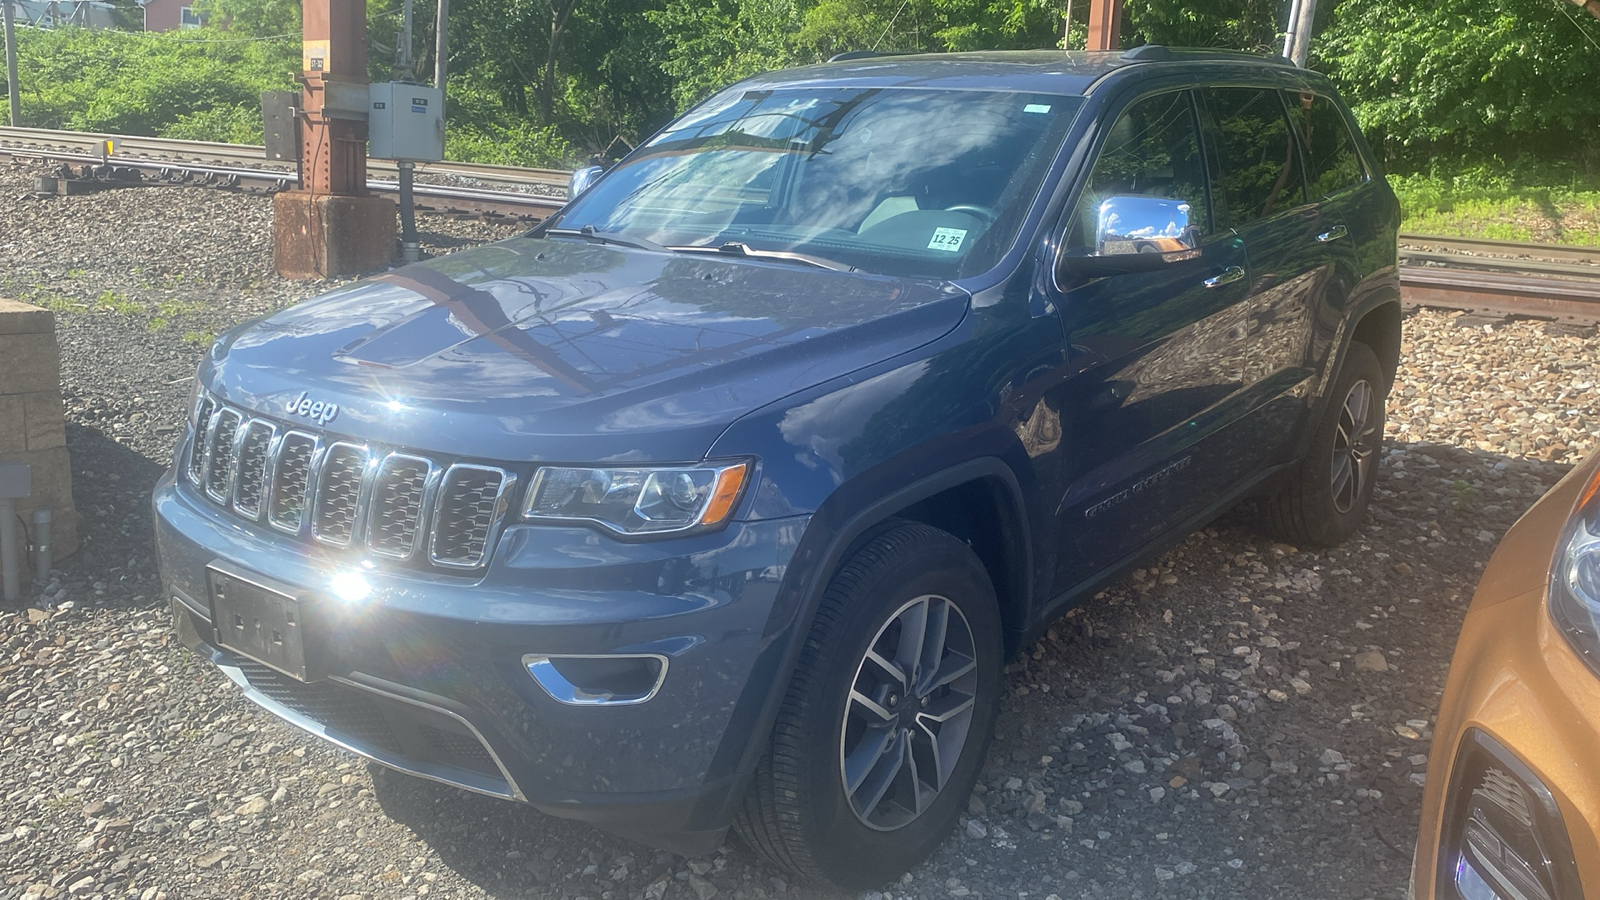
[314,56]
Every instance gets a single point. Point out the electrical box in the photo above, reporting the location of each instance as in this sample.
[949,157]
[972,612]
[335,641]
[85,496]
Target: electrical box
[405,121]
[280,123]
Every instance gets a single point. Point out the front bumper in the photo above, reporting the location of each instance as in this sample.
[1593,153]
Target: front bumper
[1520,701]
[426,674]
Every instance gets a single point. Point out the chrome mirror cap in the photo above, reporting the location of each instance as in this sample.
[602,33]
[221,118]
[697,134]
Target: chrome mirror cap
[582,180]
[1126,225]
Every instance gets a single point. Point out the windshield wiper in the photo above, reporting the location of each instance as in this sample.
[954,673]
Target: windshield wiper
[589,233]
[736,248]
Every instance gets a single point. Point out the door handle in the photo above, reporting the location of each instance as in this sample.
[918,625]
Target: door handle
[1228,276]
[1333,234]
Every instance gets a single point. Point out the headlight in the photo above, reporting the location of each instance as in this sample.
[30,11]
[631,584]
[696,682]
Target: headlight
[637,501]
[1575,577]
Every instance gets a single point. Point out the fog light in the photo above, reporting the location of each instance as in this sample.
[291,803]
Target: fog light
[1503,836]
[598,679]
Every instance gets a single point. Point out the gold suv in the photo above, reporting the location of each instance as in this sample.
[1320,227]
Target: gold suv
[1512,806]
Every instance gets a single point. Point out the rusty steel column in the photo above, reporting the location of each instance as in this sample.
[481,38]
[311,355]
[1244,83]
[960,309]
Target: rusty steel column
[329,226]
[1105,25]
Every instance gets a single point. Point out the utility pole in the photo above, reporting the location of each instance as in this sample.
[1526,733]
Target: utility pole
[11,63]
[1066,30]
[329,226]
[441,46]
[1297,40]
[1105,25]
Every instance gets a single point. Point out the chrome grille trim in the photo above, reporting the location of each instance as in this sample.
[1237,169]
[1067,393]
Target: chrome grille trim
[255,453]
[384,501]
[222,447]
[205,414]
[471,503]
[339,489]
[395,515]
[291,480]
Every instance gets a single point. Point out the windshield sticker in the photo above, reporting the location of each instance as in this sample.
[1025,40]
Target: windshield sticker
[947,239]
[1036,108]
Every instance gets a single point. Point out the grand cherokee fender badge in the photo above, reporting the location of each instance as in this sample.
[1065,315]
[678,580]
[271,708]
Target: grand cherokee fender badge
[315,410]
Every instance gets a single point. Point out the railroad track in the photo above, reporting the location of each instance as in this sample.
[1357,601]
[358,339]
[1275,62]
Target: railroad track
[535,194]
[1490,278]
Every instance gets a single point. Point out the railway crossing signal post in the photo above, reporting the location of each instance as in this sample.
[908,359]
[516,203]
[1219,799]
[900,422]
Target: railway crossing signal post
[329,226]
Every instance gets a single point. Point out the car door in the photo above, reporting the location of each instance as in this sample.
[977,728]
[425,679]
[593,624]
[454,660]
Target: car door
[1154,357]
[1262,198]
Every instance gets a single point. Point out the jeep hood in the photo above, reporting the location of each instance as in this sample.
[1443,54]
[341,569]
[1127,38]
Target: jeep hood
[555,349]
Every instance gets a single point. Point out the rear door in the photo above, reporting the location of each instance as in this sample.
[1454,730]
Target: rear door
[1155,358]
[1263,199]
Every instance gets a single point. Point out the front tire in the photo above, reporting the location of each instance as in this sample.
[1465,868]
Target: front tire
[1326,497]
[887,719]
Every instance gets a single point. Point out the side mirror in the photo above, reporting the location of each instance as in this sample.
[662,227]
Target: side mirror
[582,179]
[1138,234]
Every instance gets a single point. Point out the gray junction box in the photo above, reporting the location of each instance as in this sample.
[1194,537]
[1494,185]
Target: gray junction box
[405,121]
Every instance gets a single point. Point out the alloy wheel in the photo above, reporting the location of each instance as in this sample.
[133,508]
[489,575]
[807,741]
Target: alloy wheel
[909,713]
[1355,443]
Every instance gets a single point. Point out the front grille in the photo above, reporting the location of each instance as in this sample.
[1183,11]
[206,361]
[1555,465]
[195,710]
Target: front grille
[252,476]
[339,493]
[308,486]
[467,511]
[397,505]
[223,457]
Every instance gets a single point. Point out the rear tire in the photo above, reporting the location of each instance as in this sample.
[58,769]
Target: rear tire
[1326,496]
[885,694]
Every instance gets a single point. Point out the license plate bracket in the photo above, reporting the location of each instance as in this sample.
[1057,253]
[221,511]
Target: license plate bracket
[262,620]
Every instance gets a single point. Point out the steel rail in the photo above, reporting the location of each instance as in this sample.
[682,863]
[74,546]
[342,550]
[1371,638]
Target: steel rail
[1511,249]
[140,147]
[441,198]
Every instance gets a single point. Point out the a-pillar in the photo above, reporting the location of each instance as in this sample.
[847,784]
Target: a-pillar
[329,226]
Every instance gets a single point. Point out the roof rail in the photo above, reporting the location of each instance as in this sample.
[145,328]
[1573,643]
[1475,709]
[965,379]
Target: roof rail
[864,54]
[1160,52]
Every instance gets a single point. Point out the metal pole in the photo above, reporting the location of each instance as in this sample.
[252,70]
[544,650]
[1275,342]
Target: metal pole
[41,546]
[410,245]
[10,574]
[441,48]
[1307,12]
[11,63]
[402,56]
[1288,33]
[1066,31]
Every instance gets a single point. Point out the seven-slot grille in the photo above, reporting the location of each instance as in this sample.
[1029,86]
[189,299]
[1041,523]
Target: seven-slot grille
[343,493]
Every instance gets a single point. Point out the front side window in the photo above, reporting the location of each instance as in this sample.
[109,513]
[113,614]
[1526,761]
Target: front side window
[922,183]
[1332,163]
[1153,150]
[1261,173]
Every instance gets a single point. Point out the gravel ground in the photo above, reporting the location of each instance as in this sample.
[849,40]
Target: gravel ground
[1242,718]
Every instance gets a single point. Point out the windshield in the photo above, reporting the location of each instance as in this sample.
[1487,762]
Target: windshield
[920,183]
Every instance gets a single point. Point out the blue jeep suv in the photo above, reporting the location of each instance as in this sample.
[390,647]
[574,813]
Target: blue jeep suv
[719,498]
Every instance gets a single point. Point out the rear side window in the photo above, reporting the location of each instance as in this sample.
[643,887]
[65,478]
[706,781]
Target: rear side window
[1153,150]
[1261,172]
[1332,163]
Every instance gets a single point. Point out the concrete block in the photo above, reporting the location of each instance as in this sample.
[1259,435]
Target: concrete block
[13,426]
[44,416]
[29,363]
[331,236]
[17,317]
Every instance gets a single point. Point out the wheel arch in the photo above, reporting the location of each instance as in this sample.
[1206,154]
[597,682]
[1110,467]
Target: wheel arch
[943,500]
[1379,328]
